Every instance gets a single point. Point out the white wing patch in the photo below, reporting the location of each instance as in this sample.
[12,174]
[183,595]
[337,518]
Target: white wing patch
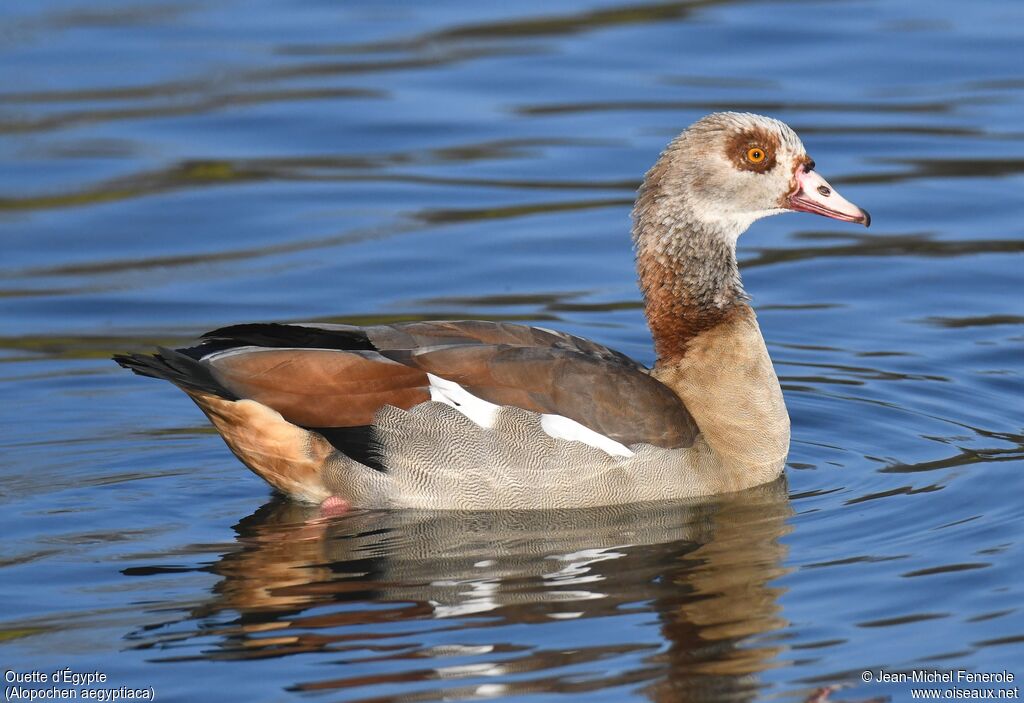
[450,393]
[562,427]
[482,413]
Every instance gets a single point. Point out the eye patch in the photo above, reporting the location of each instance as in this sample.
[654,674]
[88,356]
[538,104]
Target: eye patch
[753,150]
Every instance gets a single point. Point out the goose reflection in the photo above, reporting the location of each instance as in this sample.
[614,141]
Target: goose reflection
[672,601]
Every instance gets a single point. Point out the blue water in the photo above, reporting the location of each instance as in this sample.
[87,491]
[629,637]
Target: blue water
[169,167]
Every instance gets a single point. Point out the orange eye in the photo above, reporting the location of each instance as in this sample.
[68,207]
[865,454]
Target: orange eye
[755,155]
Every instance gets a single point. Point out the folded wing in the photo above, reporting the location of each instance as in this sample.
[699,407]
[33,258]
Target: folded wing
[338,376]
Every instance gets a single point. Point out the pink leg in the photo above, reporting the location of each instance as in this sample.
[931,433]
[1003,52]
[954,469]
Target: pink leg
[334,506]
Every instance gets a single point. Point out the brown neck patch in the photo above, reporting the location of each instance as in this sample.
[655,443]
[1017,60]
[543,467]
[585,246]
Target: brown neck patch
[687,291]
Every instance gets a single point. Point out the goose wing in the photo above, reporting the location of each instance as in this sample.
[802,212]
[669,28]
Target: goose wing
[339,376]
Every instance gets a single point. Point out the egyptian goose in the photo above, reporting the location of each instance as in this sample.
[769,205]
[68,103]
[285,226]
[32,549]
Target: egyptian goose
[488,415]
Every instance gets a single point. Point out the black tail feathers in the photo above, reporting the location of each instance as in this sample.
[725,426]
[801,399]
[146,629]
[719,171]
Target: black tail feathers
[178,368]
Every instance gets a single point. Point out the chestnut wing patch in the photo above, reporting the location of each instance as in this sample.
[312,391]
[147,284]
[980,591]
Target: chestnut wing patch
[319,387]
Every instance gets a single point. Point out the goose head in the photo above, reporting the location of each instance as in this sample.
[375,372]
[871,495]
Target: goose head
[712,182]
[729,169]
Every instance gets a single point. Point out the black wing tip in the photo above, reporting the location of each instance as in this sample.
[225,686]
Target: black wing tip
[244,329]
[282,334]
